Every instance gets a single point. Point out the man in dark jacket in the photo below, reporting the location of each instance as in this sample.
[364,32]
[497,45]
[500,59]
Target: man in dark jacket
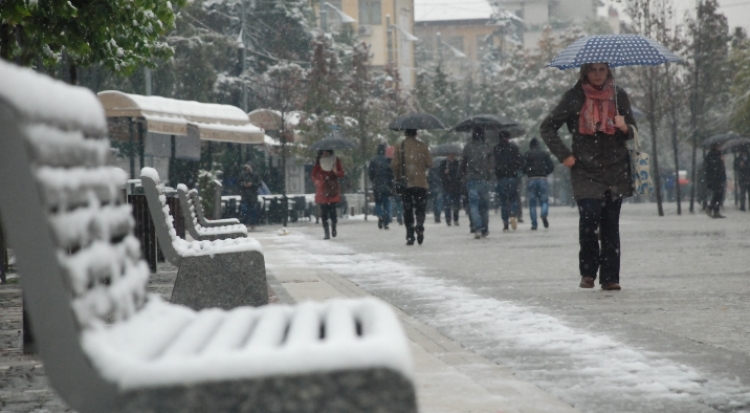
[476,168]
[742,174]
[381,177]
[537,165]
[716,180]
[436,192]
[249,185]
[450,174]
[508,161]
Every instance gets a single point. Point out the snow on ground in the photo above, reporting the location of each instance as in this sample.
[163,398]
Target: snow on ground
[569,362]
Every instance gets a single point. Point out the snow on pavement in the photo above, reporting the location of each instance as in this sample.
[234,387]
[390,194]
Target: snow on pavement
[589,370]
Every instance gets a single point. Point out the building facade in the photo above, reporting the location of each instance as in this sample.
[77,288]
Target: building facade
[386,25]
[458,42]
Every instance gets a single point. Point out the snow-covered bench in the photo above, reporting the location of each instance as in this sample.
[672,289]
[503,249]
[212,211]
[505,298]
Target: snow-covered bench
[109,346]
[223,273]
[211,230]
[196,200]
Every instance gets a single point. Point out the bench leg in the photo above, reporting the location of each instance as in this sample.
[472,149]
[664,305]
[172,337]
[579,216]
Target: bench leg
[224,281]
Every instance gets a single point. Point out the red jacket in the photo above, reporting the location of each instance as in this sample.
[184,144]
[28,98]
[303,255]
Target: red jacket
[326,182]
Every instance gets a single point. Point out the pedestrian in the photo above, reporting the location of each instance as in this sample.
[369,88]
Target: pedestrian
[250,184]
[450,175]
[537,165]
[742,175]
[716,180]
[436,192]
[507,160]
[600,118]
[411,160]
[476,164]
[326,174]
[381,177]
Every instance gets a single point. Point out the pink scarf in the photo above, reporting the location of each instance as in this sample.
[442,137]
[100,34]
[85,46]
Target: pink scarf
[598,113]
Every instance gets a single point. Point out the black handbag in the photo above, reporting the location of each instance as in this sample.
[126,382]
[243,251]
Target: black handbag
[399,184]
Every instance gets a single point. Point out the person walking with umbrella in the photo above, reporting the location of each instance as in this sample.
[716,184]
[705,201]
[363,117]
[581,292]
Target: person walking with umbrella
[381,178]
[450,175]
[326,174]
[476,165]
[599,116]
[599,166]
[742,170]
[537,165]
[411,160]
[716,179]
[508,161]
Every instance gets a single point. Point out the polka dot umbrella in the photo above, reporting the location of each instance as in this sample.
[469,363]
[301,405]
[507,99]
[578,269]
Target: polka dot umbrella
[615,50]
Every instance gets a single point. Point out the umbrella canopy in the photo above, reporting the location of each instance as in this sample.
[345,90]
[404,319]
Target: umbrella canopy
[735,143]
[445,150]
[615,50]
[417,121]
[333,142]
[720,138]
[488,122]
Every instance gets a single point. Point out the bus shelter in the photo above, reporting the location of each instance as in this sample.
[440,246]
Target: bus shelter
[172,128]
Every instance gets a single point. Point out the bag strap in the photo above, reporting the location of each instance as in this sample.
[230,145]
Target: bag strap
[403,159]
[636,138]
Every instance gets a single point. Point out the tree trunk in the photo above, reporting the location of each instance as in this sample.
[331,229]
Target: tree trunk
[693,173]
[652,123]
[3,256]
[6,36]
[72,71]
[675,148]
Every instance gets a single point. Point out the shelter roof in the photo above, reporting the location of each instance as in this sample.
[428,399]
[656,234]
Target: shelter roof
[210,121]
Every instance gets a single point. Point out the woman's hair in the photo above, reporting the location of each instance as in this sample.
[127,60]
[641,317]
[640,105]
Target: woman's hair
[320,154]
[585,70]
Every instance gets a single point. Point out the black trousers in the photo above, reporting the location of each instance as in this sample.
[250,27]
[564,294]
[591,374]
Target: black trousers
[415,204]
[744,191]
[605,215]
[451,203]
[328,211]
[717,198]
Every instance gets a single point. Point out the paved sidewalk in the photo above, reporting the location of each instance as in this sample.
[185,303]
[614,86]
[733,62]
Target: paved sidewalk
[449,378]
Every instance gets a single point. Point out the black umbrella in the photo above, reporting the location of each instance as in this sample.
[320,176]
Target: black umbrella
[487,122]
[720,138]
[733,144]
[446,149]
[334,141]
[419,121]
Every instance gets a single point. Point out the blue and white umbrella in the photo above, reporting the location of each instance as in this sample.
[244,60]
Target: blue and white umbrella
[615,50]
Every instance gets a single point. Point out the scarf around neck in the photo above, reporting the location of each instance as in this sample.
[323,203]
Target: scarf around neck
[327,163]
[598,113]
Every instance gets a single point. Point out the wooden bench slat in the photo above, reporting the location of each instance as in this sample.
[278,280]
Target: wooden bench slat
[57,148]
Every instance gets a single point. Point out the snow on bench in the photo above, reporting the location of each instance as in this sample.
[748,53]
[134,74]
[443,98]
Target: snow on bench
[195,199]
[198,231]
[109,346]
[221,273]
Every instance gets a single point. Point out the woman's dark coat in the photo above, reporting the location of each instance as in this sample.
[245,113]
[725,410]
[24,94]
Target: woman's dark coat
[602,162]
[716,173]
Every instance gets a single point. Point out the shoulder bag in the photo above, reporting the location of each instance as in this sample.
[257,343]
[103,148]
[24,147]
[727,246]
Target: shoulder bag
[640,166]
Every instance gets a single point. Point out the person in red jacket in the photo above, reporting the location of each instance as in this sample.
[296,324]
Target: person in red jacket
[326,174]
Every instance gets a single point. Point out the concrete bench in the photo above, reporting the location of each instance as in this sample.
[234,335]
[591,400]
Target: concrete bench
[223,273]
[204,230]
[109,346]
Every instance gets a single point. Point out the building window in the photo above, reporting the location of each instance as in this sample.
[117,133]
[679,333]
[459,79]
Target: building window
[369,12]
[456,42]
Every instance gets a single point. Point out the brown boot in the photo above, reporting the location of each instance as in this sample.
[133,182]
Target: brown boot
[611,287]
[586,282]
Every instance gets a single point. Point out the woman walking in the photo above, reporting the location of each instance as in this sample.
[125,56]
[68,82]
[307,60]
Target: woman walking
[326,174]
[599,117]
